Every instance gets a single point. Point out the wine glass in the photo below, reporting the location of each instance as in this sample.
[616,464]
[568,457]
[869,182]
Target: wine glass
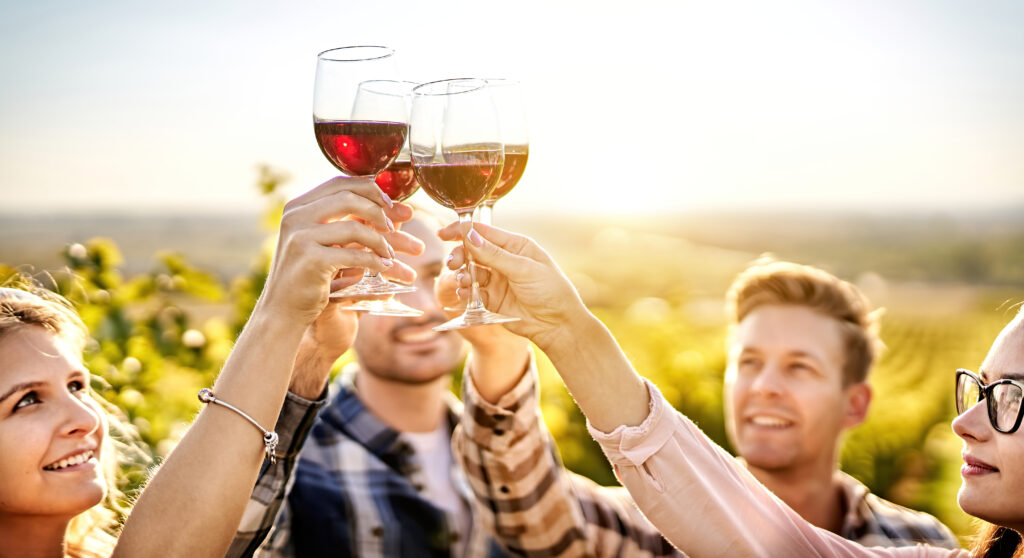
[457,156]
[508,101]
[360,118]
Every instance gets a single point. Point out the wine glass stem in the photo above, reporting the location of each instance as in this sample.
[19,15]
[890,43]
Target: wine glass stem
[484,212]
[466,224]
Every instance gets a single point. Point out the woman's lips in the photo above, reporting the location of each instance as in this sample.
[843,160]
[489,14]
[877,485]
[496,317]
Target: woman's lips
[974,467]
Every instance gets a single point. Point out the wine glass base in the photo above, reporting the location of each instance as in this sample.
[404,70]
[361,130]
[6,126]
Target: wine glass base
[389,307]
[471,318]
[362,290]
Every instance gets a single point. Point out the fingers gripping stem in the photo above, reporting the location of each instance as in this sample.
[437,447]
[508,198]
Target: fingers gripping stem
[466,225]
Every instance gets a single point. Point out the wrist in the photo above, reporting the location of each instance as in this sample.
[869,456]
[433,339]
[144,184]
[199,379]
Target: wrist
[575,331]
[268,321]
[501,346]
[310,373]
[494,377]
[279,309]
[497,366]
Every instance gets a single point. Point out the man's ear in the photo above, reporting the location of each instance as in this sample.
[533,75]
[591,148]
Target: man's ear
[858,398]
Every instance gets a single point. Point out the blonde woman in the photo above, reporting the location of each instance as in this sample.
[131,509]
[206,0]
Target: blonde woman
[56,458]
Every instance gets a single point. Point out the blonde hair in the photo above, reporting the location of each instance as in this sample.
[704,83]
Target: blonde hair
[772,282]
[90,533]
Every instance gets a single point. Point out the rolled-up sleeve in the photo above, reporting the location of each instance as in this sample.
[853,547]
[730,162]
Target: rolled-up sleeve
[294,422]
[526,497]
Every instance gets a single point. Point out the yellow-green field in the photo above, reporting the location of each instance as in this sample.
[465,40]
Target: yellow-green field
[163,331]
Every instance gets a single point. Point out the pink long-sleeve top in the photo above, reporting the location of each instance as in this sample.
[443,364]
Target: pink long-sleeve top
[708,505]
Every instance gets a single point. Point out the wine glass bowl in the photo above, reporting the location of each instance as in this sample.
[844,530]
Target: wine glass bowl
[508,100]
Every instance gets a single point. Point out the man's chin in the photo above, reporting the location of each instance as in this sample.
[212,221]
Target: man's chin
[767,460]
[412,376]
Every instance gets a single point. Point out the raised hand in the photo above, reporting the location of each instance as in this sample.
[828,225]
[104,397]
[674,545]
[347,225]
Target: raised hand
[320,250]
[499,357]
[525,282]
[322,235]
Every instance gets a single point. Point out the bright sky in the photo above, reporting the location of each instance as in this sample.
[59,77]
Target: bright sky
[637,105]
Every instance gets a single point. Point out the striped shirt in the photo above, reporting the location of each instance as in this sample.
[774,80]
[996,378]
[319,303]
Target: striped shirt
[537,508]
[356,491]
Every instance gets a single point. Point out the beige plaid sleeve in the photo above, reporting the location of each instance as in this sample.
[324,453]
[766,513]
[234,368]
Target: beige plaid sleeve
[524,495]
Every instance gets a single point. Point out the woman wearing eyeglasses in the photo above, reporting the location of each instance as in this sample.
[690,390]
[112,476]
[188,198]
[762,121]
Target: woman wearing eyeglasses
[694,492]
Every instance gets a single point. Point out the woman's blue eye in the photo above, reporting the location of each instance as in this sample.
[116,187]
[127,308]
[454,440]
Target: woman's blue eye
[30,398]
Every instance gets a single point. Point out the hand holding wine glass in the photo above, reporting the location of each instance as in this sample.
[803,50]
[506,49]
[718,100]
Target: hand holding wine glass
[520,279]
[457,156]
[360,118]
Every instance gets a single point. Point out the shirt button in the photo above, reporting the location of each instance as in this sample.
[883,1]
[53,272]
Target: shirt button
[377,531]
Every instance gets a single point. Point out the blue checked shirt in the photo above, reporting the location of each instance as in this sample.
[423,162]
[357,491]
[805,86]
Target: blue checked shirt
[355,492]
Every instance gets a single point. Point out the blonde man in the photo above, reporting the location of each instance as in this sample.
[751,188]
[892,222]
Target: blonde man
[802,342]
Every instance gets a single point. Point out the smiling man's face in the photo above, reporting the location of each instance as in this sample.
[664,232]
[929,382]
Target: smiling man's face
[406,349]
[784,397]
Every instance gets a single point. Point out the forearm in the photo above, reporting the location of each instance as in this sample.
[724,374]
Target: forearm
[597,373]
[509,461]
[202,488]
[531,503]
[309,374]
[497,368]
[267,500]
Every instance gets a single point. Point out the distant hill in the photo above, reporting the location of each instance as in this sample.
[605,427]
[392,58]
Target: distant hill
[226,245]
[977,249]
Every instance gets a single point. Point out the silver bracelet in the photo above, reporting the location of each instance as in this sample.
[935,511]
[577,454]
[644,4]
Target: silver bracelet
[269,436]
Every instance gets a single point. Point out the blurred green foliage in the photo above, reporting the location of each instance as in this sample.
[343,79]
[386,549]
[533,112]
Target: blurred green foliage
[161,335]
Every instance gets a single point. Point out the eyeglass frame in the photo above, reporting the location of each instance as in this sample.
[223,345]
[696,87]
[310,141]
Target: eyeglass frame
[985,392]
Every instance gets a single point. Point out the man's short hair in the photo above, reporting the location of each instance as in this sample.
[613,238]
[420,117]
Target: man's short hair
[771,282]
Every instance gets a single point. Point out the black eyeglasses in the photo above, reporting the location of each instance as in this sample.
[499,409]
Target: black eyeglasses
[1002,396]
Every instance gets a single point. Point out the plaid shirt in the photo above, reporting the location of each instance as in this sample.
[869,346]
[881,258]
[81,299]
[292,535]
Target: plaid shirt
[538,508]
[356,492]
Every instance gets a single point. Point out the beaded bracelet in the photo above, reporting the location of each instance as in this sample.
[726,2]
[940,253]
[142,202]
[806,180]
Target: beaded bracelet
[269,436]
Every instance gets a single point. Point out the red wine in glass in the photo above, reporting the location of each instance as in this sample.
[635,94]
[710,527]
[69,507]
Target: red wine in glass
[360,148]
[515,165]
[459,186]
[398,181]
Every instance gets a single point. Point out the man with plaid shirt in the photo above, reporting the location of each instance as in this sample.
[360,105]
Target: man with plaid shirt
[800,350]
[376,477]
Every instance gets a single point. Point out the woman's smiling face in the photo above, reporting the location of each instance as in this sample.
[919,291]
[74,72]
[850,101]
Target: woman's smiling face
[51,430]
[993,471]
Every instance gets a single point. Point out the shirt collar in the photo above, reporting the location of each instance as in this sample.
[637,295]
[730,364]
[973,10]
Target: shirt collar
[347,415]
[854,496]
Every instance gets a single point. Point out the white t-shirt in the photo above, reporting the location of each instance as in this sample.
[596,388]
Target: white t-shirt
[434,450]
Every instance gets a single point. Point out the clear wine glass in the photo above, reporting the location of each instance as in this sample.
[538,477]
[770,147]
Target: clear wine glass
[457,155]
[360,118]
[511,108]
[398,180]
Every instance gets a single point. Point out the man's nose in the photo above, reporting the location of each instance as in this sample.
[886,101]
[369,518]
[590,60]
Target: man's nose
[422,298]
[769,380]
